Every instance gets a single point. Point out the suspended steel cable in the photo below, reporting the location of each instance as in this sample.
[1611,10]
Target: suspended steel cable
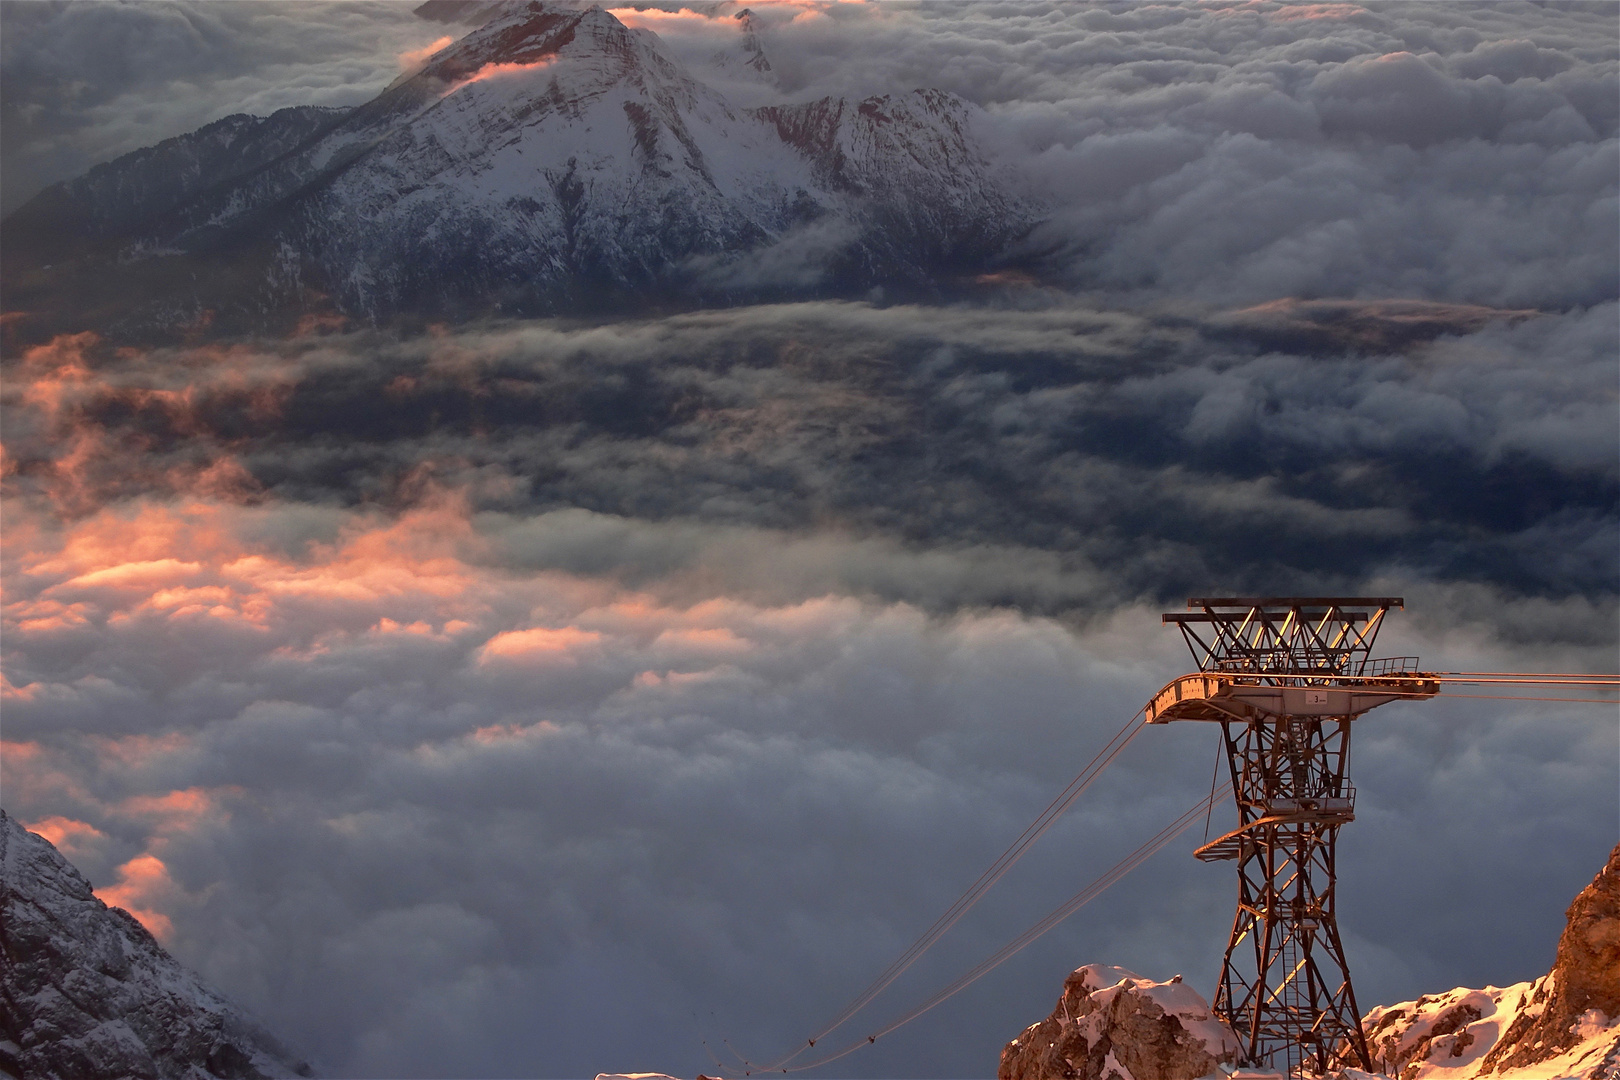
[1214,773]
[1516,697]
[1393,693]
[1527,675]
[1472,678]
[1501,678]
[976,891]
[1532,682]
[1057,915]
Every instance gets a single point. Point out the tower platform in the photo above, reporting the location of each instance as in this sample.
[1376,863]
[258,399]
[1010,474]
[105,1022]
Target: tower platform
[1221,695]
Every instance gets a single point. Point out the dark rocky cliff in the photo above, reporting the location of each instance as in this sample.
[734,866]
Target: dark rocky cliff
[87,993]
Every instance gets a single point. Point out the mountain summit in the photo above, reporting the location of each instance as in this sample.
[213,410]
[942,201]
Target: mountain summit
[551,160]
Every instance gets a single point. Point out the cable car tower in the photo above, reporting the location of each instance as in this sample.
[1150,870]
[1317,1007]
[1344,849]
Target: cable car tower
[1284,678]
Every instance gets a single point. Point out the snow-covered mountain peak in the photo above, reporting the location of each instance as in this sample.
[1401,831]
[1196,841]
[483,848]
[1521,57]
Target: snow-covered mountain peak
[552,159]
[747,59]
[522,36]
[537,36]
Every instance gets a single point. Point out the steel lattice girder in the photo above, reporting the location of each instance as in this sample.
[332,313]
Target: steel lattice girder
[1285,677]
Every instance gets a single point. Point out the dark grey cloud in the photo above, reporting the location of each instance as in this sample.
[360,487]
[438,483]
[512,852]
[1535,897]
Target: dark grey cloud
[1087,453]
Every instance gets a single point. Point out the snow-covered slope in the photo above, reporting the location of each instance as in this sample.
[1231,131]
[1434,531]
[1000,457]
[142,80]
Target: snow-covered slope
[559,152]
[1564,1024]
[552,159]
[1449,1036]
[86,992]
[114,198]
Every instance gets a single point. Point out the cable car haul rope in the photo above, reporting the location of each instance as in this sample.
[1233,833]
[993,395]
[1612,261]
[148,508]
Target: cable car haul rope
[974,893]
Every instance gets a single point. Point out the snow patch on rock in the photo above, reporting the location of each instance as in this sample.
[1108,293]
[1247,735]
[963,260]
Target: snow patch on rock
[1564,1024]
[1443,1035]
[1113,1024]
[1449,1036]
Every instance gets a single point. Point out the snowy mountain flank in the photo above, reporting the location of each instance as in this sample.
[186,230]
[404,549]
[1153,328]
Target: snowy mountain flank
[552,160]
[86,992]
[1112,1024]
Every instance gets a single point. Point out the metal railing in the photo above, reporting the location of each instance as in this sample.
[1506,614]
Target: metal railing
[1389,665]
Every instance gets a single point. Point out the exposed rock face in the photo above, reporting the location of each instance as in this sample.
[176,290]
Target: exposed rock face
[1564,1024]
[1111,1024]
[86,992]
[1585,978]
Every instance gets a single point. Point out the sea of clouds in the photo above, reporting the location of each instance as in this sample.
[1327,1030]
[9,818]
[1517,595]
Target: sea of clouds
[545,698]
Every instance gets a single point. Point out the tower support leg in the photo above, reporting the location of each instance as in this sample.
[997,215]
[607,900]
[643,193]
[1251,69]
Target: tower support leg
[1285,988]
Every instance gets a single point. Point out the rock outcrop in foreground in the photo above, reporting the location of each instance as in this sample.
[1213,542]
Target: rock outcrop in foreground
[1564,1024]
[86,992]
[1112,1024]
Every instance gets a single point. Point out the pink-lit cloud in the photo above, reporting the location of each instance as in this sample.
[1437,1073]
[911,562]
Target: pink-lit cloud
[74,839]
[411,59]
[175,811]
[657,19]
[143,888]
[489,72]
[664,21]
[1290,12]
[550,645]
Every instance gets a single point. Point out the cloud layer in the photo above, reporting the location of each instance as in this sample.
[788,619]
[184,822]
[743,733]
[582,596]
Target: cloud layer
[548,698]
[1089,457]
[1235,153]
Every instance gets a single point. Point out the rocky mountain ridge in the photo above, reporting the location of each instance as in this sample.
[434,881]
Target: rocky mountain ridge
[551,160]
[86,992]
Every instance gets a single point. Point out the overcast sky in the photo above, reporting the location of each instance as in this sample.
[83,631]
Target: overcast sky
[544,699]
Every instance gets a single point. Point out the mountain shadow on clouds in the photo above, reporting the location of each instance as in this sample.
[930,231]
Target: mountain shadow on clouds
[551,161]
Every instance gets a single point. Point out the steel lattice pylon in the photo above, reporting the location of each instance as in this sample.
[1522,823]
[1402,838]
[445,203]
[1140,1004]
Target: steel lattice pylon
[1285,677]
